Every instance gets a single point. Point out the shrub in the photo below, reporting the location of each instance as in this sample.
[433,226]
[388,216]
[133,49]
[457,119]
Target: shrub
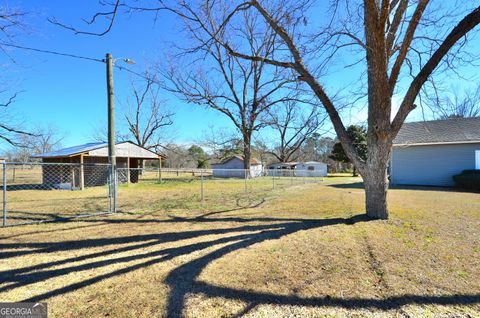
[469,179]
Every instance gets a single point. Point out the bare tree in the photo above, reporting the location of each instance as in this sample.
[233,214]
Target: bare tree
[11,130]
[242,90]
[206,74]
[42,140]
[11,20]
[455,104]
[46,139]
[147,116]
[391,34]
[147,120]
[221,142]
[395,41]
[293,127]
[99,133]
[179,156]
[262,150]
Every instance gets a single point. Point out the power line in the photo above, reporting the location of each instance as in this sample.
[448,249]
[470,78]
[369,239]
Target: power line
[50,52]
[122,68]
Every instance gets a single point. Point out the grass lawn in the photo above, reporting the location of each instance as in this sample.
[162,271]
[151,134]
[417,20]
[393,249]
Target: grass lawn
[30,201]
[299,251]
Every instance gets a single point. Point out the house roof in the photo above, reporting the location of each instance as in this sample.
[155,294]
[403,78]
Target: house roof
[284,164]
[313,162]
[100,149]
[454,130]
[253,161]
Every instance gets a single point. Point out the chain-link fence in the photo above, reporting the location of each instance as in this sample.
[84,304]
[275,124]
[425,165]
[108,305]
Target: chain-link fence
[154,189]
[39,192]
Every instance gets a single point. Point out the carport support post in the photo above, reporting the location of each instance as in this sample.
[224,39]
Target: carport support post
[4,194]
[82,173]
[128,170]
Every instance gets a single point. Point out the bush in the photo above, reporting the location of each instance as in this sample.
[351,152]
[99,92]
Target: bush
[469,179]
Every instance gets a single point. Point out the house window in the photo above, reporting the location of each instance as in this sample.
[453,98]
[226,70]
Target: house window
[311,168]
[477,159]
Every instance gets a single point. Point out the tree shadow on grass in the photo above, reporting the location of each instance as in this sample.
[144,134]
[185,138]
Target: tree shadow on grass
[351,185]
[183,280]
[22,217]
[359,185]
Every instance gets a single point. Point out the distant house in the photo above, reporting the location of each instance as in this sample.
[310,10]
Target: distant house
[299,169]
[85,164]
[233,167]
[311,169]
[284,169]
[431,152]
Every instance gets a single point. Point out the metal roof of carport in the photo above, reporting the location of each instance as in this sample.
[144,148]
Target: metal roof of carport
[66,152]
[97,148]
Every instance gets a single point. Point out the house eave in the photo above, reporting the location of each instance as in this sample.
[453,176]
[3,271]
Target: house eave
[437,143]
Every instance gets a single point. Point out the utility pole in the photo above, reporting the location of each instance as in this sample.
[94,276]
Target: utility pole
[111,129]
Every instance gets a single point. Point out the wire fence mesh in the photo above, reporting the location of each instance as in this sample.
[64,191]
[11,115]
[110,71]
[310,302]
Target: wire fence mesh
[170,189]
[39,192]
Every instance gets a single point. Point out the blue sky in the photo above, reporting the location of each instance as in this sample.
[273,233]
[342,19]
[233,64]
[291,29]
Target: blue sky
[71,93]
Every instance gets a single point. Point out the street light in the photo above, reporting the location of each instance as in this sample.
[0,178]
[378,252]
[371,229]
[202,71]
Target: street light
[129,61]
[111,122]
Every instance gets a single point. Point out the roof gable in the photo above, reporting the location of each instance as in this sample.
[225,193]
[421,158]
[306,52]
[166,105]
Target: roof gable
[454,130]
[253,161]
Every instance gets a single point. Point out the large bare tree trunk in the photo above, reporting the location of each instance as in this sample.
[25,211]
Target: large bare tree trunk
[379,110]
[376,182]
[247,154]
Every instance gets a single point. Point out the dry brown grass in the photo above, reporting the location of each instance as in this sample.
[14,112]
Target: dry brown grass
[31,202]
[305,252]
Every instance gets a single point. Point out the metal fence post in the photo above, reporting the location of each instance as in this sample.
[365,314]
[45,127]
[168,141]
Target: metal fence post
[246,181]
[201,185]
[112,189]
[4,194]
[115,181]
[109,183]
[273,180]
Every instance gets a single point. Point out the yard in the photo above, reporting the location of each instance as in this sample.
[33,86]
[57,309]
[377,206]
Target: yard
[299,250]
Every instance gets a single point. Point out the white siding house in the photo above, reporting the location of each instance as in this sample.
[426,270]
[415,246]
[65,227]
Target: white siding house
[282,169]
[311,169]
[232,167]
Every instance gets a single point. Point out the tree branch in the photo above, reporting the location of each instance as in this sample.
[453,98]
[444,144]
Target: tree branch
[469,22]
